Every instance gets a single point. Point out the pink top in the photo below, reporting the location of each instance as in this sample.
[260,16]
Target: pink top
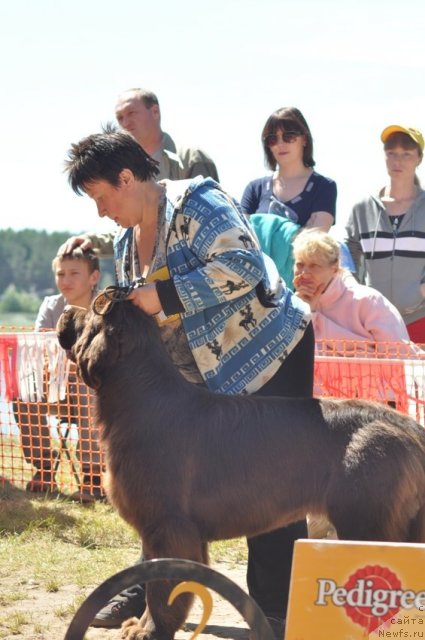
[350,311]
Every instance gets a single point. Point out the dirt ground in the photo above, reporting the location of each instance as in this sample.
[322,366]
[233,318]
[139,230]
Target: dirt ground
[42,608]
[48,611]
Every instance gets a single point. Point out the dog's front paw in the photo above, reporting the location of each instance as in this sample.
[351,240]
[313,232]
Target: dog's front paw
[143,629]
[132,629]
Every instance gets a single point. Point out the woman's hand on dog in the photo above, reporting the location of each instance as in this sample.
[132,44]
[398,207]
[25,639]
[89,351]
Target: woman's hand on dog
[146,298]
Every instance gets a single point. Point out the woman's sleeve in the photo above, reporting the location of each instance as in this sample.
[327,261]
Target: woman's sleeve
[325,199]
[227,260]
[327,329]
[383,320]
[103,242]
[352,240]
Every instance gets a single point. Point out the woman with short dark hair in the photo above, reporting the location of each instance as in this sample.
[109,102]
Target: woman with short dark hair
[227,322]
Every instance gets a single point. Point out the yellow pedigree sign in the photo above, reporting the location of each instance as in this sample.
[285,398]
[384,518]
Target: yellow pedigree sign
[344,590]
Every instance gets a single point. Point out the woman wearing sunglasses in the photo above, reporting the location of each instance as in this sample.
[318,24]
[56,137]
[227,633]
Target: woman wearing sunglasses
[294,190]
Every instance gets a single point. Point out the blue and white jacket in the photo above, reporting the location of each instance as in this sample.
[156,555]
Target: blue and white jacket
[240,325]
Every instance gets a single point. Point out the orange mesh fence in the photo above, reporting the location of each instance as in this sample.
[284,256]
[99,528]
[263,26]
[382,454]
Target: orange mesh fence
[393,373]
[49,440]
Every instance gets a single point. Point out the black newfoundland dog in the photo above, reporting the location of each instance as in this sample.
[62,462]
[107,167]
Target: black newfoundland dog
[188,466]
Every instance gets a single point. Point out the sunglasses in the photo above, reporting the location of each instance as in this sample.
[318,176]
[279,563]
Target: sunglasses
[286,136]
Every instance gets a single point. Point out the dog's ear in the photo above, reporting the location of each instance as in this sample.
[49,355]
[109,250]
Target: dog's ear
[108,340]
[90,358]
[97,350]
[70,326]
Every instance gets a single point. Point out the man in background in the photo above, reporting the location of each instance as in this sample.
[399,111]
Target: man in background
[138,112]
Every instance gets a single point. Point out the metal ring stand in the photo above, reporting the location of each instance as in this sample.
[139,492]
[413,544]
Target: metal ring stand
[170,569]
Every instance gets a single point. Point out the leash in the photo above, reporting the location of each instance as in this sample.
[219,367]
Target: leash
[106,299]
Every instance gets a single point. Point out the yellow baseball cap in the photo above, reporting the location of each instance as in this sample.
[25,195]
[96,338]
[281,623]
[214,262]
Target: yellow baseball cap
[415,134]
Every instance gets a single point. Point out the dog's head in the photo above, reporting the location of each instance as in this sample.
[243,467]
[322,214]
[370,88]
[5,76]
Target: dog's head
[97,342]
[100,338]
[69,329]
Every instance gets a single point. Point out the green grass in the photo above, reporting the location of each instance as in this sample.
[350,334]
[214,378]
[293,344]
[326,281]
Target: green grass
[58,527]
[42,534]
[48,544]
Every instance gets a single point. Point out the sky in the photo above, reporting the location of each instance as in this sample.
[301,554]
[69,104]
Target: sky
[219,69]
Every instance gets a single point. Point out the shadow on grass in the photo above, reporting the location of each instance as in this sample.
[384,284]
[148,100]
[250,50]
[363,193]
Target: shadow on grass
[21,512]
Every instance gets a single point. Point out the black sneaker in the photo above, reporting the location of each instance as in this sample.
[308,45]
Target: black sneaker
[118,610]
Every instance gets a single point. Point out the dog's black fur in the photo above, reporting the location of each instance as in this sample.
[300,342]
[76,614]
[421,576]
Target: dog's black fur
[188,466]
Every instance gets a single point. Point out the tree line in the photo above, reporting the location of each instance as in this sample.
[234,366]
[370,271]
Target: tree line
[26,266]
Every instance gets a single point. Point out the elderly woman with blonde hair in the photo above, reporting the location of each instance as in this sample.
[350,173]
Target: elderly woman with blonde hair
[347,316]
